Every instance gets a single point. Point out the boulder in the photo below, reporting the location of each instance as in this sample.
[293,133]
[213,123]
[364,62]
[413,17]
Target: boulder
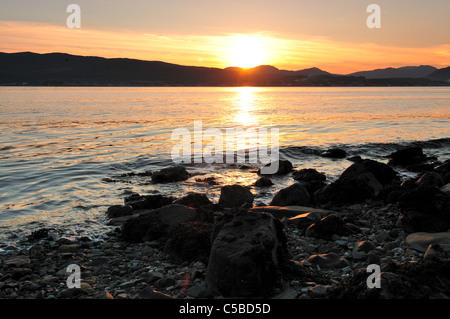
[195,200]
[138,202]
[284,167]
[344,191]
[234,196]
[291,212]
[327,261]
[382,172]
[294,195]
[119,211]
[431,179]
[326,227]
[334,153]
[263,182]
[308,175]
[407,156]
[170,175]
[421,240]
[157,223]
[248,256]
[446,189]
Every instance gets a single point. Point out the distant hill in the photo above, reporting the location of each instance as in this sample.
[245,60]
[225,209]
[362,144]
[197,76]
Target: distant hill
[441,74]
[414,72]
[61,69]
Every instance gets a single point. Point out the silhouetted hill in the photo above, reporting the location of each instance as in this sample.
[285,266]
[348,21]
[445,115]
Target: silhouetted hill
[61,69]
[422,71]
[441,74]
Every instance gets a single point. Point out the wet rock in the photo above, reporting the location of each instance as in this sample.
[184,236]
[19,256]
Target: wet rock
[150,293]
[235,196]
[327,227]
[327,261]
[119,211]
[334,153]
[421,240]
[431,179]
[361,250]
[407,156]
[263,182]
[382,172]
[291,212]
[194,200]
[170,174]
[17,261]
[294,195]
[156,223]
[284,167]
[247,255]
[189,241]
[344,191]
[138,202]
[308,175]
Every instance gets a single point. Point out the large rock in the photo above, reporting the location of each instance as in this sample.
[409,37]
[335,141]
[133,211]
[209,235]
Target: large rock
[195,200]
[421,240]
[308,175]
[138,202]
[328,261]
[170,174]
[407,156]
[341,192]
[281,212]
[284,167]
[382,172]
[294,195]
[248,256]
[157,223]
[326,227]
[424,209]
[235,196]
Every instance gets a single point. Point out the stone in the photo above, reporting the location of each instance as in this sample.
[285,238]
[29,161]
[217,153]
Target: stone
[446,189]
[308,175]
[17,261]
[291,212]
[248,255]
[317,291]
[235,196]
[384,174]
[421,240]
[170,175]
[326,227]
[294,195]
[138,202]
[406,156]
[149,293]
[119,211]
[195,200]
[431,179]
[343,192]
[327,261]
[361,250]
[334,153]
[198,290]
[263,182]
[284,167]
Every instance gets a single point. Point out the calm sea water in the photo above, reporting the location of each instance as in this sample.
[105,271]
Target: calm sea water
[63,151]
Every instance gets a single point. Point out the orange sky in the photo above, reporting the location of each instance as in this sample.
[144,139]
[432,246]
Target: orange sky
[297,36]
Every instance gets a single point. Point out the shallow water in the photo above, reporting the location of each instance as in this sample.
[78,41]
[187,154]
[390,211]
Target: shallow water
[63,150]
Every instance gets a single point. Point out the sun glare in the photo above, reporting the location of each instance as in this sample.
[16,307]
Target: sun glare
[247,51]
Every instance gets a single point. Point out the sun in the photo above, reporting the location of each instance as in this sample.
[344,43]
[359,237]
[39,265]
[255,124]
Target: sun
[247,51]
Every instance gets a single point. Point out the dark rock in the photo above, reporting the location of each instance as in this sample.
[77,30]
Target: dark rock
[407,156]
[235,196]
[308,175]
[426,209]
[137,201]
[156,223]
[329,260]
[189,241]
[170,174]
[344,191]
[247,256]
[327,227]
[431,179]
[149,293]
[195,200]
[382,172]
[334,153]
[284,167]
[354,159]
[263,182]
[293,195]
[119,211]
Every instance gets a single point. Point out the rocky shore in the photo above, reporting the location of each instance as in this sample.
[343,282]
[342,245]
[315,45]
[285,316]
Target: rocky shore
[315,240]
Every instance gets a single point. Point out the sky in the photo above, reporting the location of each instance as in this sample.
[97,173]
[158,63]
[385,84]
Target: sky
[288,34]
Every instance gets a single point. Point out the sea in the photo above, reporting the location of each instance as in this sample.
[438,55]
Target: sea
[68,153]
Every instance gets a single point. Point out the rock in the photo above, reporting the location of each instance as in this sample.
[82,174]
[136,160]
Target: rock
[424,209]
[291,212]
[69,248]
[431,179]
[138,202]
[119,211]
[195,200]
[407,156]
[326,227]
[17,261]
[294,195]
[149,293]
[248,256]
[103,295]
[382,172]
[308,175]
[170,174]
[326,261]
[189,241]
[446,189]
[199,290]
[156,223]
[342,192]
[317,291]
[284,167]
[421,240]
[334,153]
[263,182]
[235,196]
[361,250]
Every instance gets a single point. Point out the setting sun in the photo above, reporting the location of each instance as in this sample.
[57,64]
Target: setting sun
[247,51]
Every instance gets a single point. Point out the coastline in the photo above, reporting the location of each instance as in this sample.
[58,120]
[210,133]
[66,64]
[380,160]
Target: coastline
[317,256]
